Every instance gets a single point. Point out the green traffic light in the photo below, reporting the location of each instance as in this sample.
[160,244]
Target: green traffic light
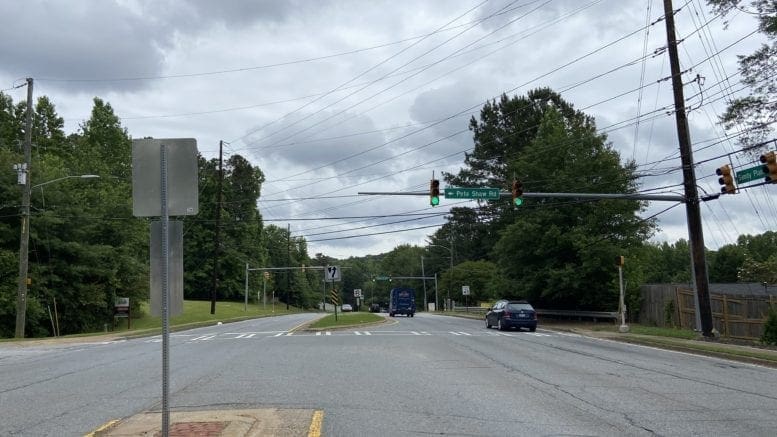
[518,201]
[434,200]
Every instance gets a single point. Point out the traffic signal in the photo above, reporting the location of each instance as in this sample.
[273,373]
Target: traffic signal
[434,192]
[770,167]
[726,179]
[620,260]
[517,193]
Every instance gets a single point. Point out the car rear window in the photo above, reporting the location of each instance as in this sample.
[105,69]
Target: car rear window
[519,306]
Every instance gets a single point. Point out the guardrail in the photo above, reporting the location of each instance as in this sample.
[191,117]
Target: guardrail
[580,315]
[562,314]
[471,309]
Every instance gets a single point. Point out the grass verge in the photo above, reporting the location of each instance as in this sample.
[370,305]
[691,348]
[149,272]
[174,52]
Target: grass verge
[195,313]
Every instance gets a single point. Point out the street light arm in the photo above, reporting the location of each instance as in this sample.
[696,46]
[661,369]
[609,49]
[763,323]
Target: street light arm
[83,176]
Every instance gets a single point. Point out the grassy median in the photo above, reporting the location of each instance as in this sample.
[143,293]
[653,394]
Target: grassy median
[346,319]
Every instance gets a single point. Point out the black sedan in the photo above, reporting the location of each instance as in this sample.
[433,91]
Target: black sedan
[506,314]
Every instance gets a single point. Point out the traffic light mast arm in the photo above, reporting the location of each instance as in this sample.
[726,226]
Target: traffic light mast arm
[657,197]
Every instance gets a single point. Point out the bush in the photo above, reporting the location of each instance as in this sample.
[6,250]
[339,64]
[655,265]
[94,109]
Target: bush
[770,328]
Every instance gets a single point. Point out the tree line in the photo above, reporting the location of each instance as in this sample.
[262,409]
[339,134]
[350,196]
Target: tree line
[86,248]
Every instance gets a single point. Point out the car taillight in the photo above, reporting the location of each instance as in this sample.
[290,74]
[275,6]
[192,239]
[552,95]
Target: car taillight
[534,316]
[506,314]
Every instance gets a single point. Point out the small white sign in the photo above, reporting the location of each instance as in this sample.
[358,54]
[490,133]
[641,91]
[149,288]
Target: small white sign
[332,273]
[357,292]
[465,290]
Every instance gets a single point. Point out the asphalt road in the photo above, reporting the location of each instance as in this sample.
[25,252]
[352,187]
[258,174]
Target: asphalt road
[413,376]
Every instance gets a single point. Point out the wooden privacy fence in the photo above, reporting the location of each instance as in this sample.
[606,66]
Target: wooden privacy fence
[734,315]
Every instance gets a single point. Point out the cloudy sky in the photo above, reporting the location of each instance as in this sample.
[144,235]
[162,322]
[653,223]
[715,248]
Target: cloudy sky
[334,97]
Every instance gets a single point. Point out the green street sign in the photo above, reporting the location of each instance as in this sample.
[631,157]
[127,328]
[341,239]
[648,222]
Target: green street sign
[750,174]
[472,193]
[382,278]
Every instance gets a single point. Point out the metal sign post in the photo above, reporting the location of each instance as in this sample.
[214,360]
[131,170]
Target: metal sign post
[165,298]
[165,170]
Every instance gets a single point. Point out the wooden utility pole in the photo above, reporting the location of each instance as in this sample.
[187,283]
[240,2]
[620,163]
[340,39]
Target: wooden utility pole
[693,213]
[217,238]
[288,256]
[24,241]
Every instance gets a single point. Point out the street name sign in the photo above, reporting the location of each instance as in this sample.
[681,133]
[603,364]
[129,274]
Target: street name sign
[472,193]
[750,174]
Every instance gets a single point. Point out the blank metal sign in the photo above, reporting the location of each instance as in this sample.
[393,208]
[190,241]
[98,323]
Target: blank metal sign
[182,195]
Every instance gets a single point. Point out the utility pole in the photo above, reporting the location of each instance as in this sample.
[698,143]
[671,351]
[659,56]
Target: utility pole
[288,255]
[217,237]
[24,241]
[695,233]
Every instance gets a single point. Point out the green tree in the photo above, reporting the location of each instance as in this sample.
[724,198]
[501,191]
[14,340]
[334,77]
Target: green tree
[48,128]
[754,114]
[86,248]
[505,129]
[758,247]
[11,125]
[560,253]
[724,264]
[759,271]
[479,276]
[241,230]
